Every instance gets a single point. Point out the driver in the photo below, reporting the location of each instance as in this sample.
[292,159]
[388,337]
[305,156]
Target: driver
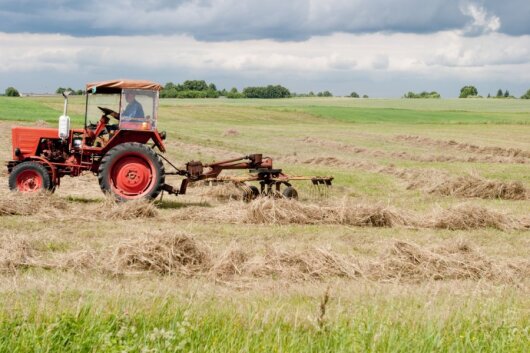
[134,108]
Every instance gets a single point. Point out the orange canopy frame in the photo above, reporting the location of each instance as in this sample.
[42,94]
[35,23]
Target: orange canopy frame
[113,85]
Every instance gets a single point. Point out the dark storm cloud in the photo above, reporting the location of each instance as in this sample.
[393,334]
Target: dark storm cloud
[254,19]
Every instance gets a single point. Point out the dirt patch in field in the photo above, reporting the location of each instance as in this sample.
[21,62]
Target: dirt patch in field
[466,147]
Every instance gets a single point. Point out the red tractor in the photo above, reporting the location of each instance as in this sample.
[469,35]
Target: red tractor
[122,154]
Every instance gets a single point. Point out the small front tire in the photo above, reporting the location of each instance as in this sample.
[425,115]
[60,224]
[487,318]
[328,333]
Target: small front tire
[29,177]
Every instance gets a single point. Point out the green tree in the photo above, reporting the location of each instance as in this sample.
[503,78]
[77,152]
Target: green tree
[423,94]
[526,95]
[354,95]
[365,96]
[212,87]
[468,91]
[499,93]
[507,94]
[195,85]
[325,94]
[12,92]
[269,91]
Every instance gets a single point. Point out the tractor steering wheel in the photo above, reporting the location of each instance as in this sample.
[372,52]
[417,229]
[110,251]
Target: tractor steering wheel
[110,112]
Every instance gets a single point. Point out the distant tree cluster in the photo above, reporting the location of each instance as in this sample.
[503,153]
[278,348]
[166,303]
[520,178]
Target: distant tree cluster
[74,92]
[468,92]
[501,94]
[269,91]
[201,89]
[11,92]
[189,89]
[423,94]
[325,94]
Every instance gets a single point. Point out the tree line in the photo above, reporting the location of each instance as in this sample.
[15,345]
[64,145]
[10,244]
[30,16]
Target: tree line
[201,89]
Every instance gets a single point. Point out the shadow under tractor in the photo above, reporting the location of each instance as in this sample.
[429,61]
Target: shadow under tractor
[127,155]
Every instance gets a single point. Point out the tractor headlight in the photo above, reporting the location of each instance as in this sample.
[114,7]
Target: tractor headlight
[162,135]
[77,142]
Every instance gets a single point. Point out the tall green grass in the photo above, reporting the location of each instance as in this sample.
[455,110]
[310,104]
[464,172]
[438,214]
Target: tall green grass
[167,327]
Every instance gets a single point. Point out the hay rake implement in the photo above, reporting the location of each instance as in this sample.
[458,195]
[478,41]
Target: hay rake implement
[261,170]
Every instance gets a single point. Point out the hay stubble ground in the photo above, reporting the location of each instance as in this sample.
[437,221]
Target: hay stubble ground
[422,244]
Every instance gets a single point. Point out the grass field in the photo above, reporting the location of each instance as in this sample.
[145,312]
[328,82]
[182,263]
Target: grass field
[422,244]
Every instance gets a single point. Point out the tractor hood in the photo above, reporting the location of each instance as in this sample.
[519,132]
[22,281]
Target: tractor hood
[115,86]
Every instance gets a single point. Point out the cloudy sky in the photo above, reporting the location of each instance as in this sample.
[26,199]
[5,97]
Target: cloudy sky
[382,48]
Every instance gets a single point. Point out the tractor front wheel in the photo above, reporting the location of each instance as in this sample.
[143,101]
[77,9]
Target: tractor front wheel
[131,171]
[30,177]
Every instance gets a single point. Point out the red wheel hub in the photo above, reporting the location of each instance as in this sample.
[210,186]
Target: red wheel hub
[29,181]
[132,176]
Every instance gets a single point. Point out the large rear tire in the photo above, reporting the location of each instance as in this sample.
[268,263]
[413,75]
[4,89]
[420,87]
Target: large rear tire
[30,177]
[131,171]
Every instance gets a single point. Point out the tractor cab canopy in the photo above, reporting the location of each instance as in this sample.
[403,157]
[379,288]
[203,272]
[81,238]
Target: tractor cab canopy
[135,101]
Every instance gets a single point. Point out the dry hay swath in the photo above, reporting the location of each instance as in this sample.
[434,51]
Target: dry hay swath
[474,186]
[159,253]
[285,211]
[223,191]
[25,204]
[410,262]
[15,253]
[279,262]
[492,150]
[467,216]
[112,210]
[183,255]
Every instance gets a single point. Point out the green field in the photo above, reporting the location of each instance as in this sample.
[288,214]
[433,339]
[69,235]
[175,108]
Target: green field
[261,286]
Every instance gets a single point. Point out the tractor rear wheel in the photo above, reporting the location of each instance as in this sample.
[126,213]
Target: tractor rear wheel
[30,177]
[131,171]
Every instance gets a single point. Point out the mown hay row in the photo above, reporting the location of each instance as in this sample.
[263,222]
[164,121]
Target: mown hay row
[285,211]
[403,155]
[409,262]
[492,150]
[467,216]
[474,186]
[16,204]
[182,255]
[435,181]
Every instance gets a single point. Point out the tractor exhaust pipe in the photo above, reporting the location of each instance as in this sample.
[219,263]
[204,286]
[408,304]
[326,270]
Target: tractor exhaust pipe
[64,120]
